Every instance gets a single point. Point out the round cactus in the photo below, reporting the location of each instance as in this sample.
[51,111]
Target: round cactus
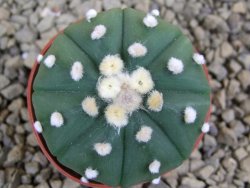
[121,97]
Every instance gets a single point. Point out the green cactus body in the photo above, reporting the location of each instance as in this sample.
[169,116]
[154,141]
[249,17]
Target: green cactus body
[98,121]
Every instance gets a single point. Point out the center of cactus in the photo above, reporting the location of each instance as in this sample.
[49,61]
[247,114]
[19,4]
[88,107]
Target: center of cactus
[128,99]
[122,91]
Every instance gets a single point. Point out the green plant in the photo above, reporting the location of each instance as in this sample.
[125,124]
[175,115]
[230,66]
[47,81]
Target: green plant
[121,98]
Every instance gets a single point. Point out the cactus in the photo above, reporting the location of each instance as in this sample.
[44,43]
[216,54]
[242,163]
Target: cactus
[120,98]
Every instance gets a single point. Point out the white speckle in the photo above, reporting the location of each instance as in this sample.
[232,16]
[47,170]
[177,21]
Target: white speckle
[39,58]
[89,106]
[50,61]
[108,88]
[155,101]
[199,59]
[205,128]
[91,173]
[156,181]
[25,55]
[98,32]
[144,134]
[175,65]
[137,50]
[48,12]
[141,80]
[154,167]
[155,12]
[110,65]
[38,127]
[103,149]
[45,12]
[190,114]
[56,119]
[84,180]
[116,116]
[150,21]
[76,71]
[91,13]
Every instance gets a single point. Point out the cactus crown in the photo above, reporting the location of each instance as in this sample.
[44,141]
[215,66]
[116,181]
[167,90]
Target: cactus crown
[120,98]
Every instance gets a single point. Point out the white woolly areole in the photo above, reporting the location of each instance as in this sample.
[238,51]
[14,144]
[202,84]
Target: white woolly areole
[38,127]
[84,180]
[89,106]
[98,32]
[76,71]
[91,173]
[103,149]
[156,181]
[116,116]
[155,12]
[199,59]
[144,134]
[155,101]
[190,114]
[154,167]
[175,65]
[110,65]
[137,50]
[39,58]
[141,80]
[150,21]
[56,119]
[205,128]
[108,88]
[91,13]
[50,61]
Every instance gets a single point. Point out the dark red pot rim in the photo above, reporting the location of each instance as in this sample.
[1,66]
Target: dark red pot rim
[42,144]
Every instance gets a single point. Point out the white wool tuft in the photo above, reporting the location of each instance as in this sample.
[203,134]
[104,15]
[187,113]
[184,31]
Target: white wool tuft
[108,88]
[76,71]
[116,116]
[137,50]
[199,59]
[39,58]
[38,127]
[175,65]
[205,128]
[98,32]
[110,65]
[141,80]
[155,12]
[56,119]
[91,13]
[154,167]
[91,173]
[50,61]
[190,114]
[103,149]
[89,106]
[84,180]
[156,181]
[155,101]
[144,134]
[150,21]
